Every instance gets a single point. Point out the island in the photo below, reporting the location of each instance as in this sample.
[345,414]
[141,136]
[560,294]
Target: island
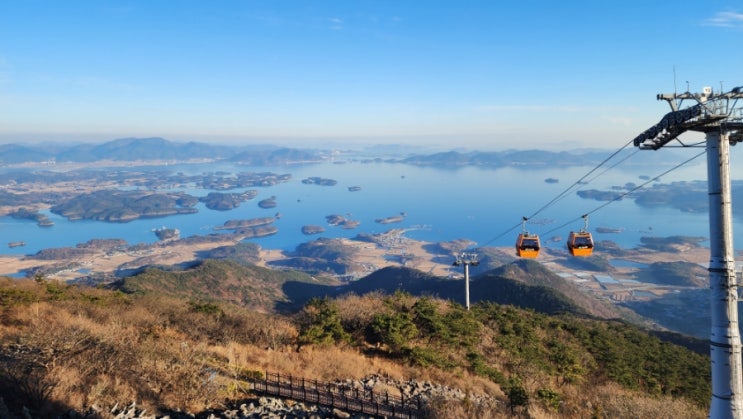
[390,220]
[252,222]
[354,188]
[268,203]
[312,229]
[551,180]
[255,232]
[319,181]
[16,244]
[349,224]
[163,233]
[341,221]
[598,195]
[226,201]
[685,196]
[335,219]
[221,181]
[123,206]
[608,230]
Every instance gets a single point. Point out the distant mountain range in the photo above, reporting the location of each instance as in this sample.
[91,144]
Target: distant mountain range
[144,149]
[153,149]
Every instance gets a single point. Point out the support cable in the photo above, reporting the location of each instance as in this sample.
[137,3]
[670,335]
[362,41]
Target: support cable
[564,193]
[613,166]
[578,182]
[619,197]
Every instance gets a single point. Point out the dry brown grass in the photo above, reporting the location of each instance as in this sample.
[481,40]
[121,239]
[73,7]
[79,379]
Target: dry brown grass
[70,348]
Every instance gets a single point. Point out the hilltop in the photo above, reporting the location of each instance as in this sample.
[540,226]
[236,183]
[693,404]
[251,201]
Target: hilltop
[166,346]
[257,288]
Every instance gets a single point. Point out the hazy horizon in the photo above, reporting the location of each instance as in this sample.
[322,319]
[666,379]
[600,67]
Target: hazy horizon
[427,143]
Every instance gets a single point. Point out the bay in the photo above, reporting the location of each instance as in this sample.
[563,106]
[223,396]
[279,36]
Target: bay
[482,205]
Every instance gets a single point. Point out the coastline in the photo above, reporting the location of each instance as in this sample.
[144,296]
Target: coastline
[394,249]
[369,255]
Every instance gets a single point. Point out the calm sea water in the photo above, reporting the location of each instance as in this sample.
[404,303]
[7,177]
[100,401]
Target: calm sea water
[482,205]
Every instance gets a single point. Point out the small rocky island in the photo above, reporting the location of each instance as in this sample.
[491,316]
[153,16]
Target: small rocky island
[354,188]
[392,219]
[606,230]
[163,233]
[335,219]
[268,203]
[312,229]
[341,221]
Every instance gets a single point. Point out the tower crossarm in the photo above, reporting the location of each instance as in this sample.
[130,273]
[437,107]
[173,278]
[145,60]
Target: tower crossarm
[709,112]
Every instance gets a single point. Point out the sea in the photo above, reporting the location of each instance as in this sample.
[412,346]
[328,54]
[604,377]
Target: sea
[481,205]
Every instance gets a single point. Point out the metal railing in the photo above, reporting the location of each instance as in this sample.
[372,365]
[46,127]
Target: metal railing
[348,398]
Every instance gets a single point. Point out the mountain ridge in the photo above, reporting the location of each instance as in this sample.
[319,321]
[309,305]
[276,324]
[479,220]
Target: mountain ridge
[158,148]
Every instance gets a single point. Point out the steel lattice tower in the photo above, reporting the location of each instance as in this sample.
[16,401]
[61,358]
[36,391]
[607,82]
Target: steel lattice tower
[720,118]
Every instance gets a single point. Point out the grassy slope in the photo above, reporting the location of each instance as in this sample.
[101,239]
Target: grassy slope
[68,347]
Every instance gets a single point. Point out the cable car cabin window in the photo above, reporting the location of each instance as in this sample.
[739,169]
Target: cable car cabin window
[582,241]
[529,244]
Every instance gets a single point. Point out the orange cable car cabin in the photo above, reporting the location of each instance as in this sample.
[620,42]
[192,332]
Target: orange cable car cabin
[527,245]
[580,243]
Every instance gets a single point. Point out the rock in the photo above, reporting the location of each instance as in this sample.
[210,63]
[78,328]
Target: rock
[337,413]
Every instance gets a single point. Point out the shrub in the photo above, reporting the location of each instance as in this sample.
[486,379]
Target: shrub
[394,330]
[206,308]
[321,324]
[549,398]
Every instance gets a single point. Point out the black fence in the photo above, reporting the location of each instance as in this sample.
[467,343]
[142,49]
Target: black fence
[344,397]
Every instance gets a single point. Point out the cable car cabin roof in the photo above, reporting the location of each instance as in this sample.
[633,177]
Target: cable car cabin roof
[580,243]
[527,245]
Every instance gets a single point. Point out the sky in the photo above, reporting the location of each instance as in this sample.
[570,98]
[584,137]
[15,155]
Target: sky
[483,75]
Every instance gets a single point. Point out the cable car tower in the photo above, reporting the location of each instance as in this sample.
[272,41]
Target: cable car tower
[466,259]
[720,118]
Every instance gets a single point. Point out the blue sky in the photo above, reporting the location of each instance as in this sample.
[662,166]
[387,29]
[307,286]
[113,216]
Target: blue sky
[475,74]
